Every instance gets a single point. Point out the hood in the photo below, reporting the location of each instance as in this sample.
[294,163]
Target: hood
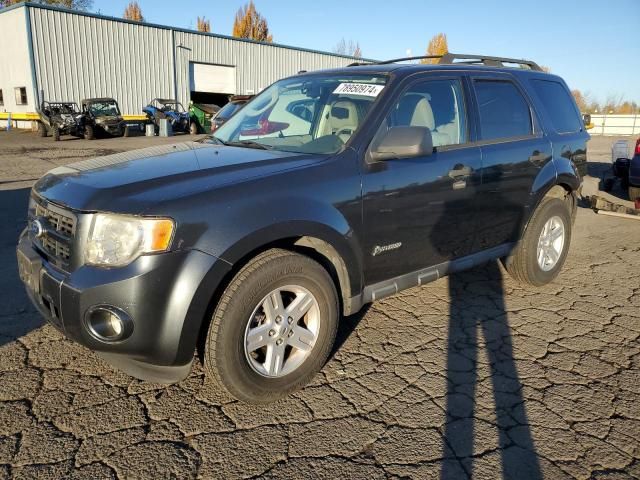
[132,182]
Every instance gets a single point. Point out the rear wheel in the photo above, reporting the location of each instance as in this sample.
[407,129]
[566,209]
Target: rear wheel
[56,133]
[193,128]
[273,328]
[540,254]
[89,132]
[634,192]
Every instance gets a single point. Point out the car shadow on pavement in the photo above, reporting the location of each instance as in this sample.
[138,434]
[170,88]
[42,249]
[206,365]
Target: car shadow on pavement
[478,320]
[17,316]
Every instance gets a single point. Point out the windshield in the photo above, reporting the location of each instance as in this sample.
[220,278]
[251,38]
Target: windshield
[172,107]
[314,114]
[104,109]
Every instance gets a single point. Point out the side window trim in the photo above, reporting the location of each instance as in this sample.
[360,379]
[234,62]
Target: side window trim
[536,130]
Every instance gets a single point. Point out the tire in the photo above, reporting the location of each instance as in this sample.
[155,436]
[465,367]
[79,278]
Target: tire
[193,128]
[226,359]
[42,129]
[126,132]
[89,132]
[523,263]
[56,133]
[634,192]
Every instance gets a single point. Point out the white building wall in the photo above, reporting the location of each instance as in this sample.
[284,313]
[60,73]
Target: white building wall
[81,56]
[15,67]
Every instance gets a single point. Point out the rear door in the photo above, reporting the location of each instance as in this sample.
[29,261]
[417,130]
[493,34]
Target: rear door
[514,150]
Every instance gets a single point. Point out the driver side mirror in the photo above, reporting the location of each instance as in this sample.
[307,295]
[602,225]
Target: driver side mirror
[403,142]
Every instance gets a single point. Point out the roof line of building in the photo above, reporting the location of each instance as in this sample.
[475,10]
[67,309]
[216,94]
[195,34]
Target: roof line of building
[175,29]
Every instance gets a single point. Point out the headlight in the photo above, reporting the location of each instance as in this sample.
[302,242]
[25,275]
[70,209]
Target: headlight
[117,240]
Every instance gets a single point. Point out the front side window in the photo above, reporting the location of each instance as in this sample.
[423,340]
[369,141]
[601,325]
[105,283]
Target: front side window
[435,104]
[559,106]
[504,112]
[21,95]
[314,114]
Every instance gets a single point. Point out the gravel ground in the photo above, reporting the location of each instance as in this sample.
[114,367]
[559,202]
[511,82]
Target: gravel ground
[472,375]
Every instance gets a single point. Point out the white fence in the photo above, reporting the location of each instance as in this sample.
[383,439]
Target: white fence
[615,125]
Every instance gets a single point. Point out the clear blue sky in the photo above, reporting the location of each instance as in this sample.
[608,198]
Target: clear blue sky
[593,44]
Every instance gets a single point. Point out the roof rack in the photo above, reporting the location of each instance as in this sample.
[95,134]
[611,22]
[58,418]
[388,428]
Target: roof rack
[461,58]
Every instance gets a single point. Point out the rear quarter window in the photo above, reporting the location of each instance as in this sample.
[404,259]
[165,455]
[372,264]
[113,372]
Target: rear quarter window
[559,106]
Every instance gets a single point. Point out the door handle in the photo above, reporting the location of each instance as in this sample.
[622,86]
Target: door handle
[459,175]
[459,171]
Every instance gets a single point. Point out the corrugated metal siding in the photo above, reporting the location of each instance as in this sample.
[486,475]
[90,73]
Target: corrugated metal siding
[257,65]
[80,56]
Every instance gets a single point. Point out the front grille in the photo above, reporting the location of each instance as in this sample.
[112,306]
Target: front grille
[59,231]
[58,221]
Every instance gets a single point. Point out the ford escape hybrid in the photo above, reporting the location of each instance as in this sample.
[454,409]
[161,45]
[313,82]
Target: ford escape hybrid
[329,190]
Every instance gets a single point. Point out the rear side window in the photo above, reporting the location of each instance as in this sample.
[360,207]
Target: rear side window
[558,105]
[503,110]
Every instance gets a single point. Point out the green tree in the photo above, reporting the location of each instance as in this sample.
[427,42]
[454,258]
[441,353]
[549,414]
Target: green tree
[133,12]
[250,24]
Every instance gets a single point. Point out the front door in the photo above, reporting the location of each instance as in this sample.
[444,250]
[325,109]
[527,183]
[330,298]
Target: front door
[419,211]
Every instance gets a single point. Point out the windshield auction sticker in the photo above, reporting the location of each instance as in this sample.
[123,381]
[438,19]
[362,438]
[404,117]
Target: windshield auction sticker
[365,89]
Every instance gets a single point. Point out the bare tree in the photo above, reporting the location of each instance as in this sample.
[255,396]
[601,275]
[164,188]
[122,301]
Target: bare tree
[203,25]
[72,4]
[133,12]
[250,24]
[349,48]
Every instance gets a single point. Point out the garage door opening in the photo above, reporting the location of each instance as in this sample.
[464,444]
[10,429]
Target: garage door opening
[212,84]
[220,99]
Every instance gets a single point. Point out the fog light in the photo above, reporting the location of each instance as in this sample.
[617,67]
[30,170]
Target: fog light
[108,324]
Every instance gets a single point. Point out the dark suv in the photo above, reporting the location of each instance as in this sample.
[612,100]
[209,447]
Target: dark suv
[329,190]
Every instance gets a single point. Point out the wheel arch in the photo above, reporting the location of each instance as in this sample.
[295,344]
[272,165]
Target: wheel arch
[343,268]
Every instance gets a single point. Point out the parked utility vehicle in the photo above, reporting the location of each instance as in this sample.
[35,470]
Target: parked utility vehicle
[180,119]
[102,116]
[60,118]
[327,191]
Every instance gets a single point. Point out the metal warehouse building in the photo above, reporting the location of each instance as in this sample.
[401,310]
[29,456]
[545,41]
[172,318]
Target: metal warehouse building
[63,55]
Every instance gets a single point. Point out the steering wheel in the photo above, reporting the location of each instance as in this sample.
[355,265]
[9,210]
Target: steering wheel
[254,109]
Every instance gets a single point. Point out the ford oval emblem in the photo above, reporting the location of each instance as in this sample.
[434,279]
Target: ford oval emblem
[37,229]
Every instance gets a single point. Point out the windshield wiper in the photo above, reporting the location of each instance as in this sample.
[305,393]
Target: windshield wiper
[247,144]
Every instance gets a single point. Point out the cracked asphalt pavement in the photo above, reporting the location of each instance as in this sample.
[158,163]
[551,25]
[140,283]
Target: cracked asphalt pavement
[470,376]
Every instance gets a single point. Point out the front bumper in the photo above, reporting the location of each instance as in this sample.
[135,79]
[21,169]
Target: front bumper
[166,296]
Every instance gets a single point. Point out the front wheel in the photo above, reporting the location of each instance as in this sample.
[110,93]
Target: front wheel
[634,193]
[89,132]
[56,133]
[193,128]
[273,328]
[540,254]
